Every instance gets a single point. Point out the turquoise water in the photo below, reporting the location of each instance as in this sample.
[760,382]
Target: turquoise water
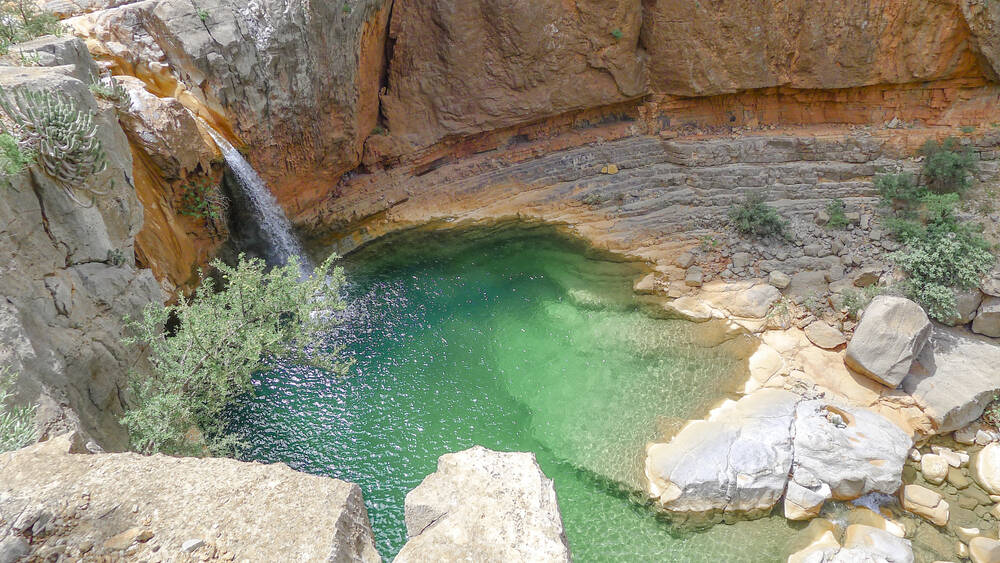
[518,340]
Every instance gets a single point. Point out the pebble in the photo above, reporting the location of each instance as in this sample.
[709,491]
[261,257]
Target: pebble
[191,545]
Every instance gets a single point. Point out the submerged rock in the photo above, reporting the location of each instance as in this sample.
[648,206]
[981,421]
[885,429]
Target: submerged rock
[483,505]
[986,468]
[888,339]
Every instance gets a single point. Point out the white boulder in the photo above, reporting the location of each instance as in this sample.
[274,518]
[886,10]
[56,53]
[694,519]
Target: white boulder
[890,336]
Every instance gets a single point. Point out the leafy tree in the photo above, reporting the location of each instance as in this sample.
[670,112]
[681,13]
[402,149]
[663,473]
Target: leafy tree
[16,426]
[217,339]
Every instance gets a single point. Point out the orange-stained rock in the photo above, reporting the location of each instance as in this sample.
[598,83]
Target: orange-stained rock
[724,46]
[460,67]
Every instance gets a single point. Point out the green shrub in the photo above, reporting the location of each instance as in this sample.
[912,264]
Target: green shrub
[854,301]
[203,15]
[899,189]
[13,158]
[592,200]
[754,217]
[947,166]
[63,136]
[17,428]
[21,20]
[202,199]
[219,338]
[709,243]
[837,210]
[815,304]
[939,259]
[617,34]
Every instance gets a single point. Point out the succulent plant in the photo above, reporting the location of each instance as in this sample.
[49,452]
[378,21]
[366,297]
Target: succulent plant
[63,136]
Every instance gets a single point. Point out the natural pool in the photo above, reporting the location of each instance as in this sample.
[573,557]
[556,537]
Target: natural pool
[516,339]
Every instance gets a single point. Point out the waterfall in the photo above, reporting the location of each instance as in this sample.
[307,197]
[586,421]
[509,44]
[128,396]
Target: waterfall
[281,242]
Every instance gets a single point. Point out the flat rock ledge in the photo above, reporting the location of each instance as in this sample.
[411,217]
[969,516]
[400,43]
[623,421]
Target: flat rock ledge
[748,454]
[55,504]
[483,505]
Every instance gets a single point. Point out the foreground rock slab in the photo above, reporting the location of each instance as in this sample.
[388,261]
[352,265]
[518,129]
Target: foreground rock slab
[483,505]
[888,339]
[128,506]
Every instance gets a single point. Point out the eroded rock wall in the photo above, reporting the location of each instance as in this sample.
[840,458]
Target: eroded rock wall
[68,277]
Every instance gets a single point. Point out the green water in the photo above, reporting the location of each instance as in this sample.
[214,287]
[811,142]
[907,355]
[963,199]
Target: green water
[514,339]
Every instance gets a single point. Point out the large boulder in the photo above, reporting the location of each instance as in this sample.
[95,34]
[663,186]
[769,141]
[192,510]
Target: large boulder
[986,468]
[737,461]
[134,507]
[956,377]
[987,321]
[851,450]
[748,299]
[891,334]
[483,505]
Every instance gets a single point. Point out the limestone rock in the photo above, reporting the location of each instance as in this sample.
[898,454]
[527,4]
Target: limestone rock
[984,550]
[71,277]
[853,450]
[926,503]
[688,308]
[987,321]
[955,378]
[743,452]
[876,541]
[297,82]
[483,505]
[290,515]
[891,334]
[517,62]
[778,279]
[824,335]
[694,276]
[802,503]
[986,468]
[966,305]
[742,299]
[934,468]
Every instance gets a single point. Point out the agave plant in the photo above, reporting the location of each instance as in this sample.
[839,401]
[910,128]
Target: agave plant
[63,136]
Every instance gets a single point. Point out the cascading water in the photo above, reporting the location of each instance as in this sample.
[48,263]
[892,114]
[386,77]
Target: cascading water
[277,230]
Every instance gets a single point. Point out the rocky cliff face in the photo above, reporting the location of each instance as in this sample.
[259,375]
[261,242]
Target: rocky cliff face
[68,271]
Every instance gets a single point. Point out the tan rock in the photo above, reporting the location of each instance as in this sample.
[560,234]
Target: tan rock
[986,468]
[688,308]
[824,335]
[934,468]
[984,550]
[925,503]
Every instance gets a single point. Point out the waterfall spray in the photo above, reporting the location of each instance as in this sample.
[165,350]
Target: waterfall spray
[281,241]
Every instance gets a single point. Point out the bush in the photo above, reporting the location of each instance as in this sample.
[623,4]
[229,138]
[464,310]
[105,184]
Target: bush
[13,158]
[203,200]
[837,209]
[947,167]
[21,20]
[854,301]
[219,338]
[109,89]
[938,260]
[897,189]
[17,429]
[754,217]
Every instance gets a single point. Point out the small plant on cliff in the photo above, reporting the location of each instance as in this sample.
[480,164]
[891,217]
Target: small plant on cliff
[617,34]
[21,20]
[754,217]
[16,426]
[63,136]
[202,199]
[109,89]
[947,166]
[225,332]
[837,210]
[13,157]
[203,15]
